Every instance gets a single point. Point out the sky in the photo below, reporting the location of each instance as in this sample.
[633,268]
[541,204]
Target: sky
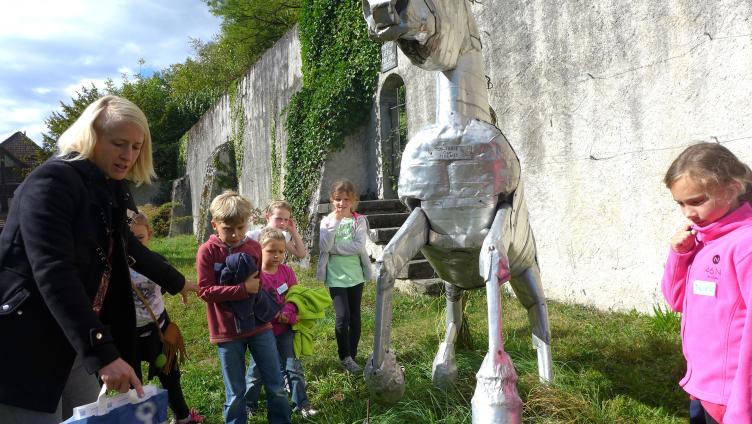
[50,48]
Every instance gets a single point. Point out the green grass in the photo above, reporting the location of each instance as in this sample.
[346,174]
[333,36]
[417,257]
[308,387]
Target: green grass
[609,367]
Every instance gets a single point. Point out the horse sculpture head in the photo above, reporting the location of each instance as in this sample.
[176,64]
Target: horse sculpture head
[432,33]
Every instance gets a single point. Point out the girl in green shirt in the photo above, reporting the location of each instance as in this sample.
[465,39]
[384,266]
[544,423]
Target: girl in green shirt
[344,266]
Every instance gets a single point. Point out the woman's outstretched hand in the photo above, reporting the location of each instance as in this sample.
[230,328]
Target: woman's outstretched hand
[189,286]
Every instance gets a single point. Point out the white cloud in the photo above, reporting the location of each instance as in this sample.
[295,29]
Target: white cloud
[50,48]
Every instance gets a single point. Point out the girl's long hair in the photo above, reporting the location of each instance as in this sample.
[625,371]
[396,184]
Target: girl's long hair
[712,166]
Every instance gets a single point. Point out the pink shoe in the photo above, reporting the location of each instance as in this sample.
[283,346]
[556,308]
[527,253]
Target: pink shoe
[193,417]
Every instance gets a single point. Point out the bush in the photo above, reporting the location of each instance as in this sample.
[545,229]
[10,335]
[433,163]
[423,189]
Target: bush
[159,217]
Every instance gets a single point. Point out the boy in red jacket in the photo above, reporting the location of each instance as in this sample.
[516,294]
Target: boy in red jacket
[230,214]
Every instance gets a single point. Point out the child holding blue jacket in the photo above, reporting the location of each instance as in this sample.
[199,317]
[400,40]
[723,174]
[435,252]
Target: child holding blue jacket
[230,214]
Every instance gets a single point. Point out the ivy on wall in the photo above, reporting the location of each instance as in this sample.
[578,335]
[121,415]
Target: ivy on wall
[183,154]
[237,125]
[275,160]
[340,68]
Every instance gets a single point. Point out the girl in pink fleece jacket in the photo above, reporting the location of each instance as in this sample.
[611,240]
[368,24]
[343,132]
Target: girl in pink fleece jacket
[708,278]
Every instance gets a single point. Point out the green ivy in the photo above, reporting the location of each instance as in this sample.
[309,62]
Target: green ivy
[340,69]
[237,125]
[183,153]
[276,165]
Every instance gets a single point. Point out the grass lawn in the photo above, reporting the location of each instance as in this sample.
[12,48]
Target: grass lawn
[608,367]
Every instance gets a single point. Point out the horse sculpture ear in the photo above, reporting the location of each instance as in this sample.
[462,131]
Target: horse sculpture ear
[380,14]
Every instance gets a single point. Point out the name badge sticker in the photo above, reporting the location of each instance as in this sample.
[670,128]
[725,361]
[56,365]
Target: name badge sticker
[282,289]
[703,288]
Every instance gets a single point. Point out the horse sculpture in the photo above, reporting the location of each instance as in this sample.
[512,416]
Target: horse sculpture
[461,180]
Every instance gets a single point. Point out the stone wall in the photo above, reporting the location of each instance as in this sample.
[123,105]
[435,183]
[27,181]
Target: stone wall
[252,119]
[597,98]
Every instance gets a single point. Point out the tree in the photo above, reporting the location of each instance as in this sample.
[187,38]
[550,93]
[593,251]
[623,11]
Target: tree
[58,122]
[249,28]
[169,117]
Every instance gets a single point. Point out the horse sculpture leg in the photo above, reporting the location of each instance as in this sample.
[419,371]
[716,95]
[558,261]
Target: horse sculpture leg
[384,377]
[527,283]
[496,399]
[529,291]
[444,372]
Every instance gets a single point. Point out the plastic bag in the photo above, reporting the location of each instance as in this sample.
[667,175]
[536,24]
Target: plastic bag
[124,408]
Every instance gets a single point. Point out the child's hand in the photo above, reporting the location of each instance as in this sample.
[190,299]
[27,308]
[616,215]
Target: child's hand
[252,283]
[291,226]
[189,286]
[282,318]
[684,239]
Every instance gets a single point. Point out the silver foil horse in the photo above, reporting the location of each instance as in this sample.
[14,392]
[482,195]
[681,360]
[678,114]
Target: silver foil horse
[461,179]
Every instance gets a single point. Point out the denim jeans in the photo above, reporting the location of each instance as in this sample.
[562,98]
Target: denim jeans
[292,370]
[237,380]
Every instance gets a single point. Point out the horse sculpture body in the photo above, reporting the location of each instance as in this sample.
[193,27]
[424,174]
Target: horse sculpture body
[461,180]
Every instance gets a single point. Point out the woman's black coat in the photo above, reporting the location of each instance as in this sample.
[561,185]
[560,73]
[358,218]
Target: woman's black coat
[51,264]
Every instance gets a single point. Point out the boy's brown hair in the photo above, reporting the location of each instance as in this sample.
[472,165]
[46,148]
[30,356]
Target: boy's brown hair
[231,208]
[278,204]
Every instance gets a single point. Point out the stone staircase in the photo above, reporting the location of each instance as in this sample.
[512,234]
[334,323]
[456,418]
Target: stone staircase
[384,219]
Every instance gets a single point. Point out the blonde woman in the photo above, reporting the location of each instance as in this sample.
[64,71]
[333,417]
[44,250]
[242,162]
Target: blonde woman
[66,310]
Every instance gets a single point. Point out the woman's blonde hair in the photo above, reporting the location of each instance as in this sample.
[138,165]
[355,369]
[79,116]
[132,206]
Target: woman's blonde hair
[81,136]
[347,187]
[712,166]
[270,234]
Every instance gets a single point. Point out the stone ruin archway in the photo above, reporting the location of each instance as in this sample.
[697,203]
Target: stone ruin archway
[220,175]
[393,131]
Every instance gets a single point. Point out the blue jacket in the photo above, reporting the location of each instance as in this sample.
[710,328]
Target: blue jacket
[256,309]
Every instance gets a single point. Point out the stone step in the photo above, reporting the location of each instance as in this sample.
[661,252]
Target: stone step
[417,269]
[366,207]
[386,220]
[423,286]
[382,235]
[383,205]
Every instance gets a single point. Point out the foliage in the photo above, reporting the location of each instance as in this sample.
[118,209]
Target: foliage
[237,128]
[183,153]
[340,66]
[169,117]
[58,122]
[256,23]
[249,27]
[175,98]
[608,367]
[275,161]
[159,217]
[665,320]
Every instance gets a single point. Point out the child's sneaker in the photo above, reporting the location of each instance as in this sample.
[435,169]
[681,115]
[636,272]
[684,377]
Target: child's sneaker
[193,417]
[308,411]
[351,366]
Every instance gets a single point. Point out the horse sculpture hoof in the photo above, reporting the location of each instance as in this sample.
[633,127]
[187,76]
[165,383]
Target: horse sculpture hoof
[495,400]
[386,385]
[444,372]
